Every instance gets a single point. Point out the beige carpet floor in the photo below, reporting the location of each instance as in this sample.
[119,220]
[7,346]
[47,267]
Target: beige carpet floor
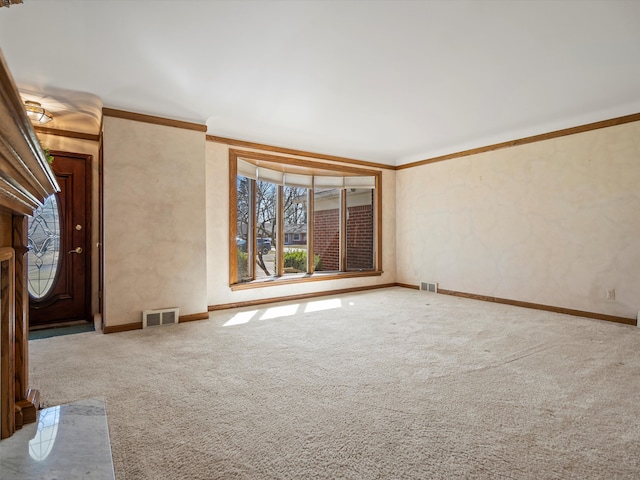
[386,384]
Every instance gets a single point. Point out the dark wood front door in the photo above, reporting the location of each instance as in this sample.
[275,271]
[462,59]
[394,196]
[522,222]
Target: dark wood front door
[59,272]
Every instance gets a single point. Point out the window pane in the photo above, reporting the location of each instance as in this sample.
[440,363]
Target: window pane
[326,228]
[295,229]
[242,231]
[359,241]
[43,238]
[266,214]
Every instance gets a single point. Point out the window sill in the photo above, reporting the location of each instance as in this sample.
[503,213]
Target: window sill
[301,278]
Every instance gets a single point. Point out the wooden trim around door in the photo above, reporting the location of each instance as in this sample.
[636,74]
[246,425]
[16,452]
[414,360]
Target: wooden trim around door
[101,269]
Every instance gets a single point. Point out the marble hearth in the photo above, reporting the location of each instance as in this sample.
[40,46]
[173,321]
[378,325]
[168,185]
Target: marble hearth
[68,441]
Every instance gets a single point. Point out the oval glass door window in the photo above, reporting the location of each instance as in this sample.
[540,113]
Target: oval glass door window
[44,248]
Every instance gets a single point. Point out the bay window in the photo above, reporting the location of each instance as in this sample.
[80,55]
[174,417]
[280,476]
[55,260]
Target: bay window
[282,208]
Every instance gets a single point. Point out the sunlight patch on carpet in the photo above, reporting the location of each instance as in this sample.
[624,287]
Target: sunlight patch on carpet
[319,305]
[279,312]
[282,311]
[240,318]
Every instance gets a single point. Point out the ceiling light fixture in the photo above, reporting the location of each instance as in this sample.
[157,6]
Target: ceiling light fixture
[37,113]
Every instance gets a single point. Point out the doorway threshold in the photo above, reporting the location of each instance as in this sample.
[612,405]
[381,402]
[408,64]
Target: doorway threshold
[60,329]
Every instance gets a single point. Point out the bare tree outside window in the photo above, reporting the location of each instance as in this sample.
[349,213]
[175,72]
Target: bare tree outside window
[243,185]
[295,206]
[295,230]
[266,215]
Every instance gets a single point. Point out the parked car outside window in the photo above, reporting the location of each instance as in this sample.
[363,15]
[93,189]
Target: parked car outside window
[264,244]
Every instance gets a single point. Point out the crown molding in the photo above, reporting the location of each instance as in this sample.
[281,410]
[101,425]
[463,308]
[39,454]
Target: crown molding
[139,117]
[523,141]
[300,153]
[67,133]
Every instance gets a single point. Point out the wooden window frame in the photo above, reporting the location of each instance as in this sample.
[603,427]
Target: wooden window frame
[309,167]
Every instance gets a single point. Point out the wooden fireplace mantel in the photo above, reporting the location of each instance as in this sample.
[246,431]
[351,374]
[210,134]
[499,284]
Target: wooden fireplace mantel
[25,181]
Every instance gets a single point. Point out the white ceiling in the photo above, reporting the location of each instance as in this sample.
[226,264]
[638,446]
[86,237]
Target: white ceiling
[382,81]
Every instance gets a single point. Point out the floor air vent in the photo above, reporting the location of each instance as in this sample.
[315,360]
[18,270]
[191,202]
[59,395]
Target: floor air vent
[429,287]
[155,318]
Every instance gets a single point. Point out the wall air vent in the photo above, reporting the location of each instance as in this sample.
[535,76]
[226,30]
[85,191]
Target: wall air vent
[429,287]
[156,318]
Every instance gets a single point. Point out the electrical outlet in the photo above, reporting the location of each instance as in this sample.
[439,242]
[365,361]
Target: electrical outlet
[611,293]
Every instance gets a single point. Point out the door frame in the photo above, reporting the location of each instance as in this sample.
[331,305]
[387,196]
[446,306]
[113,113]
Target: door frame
[88,184]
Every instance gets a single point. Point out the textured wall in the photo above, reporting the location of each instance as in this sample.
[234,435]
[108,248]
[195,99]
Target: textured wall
[555,222]
[154,220]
